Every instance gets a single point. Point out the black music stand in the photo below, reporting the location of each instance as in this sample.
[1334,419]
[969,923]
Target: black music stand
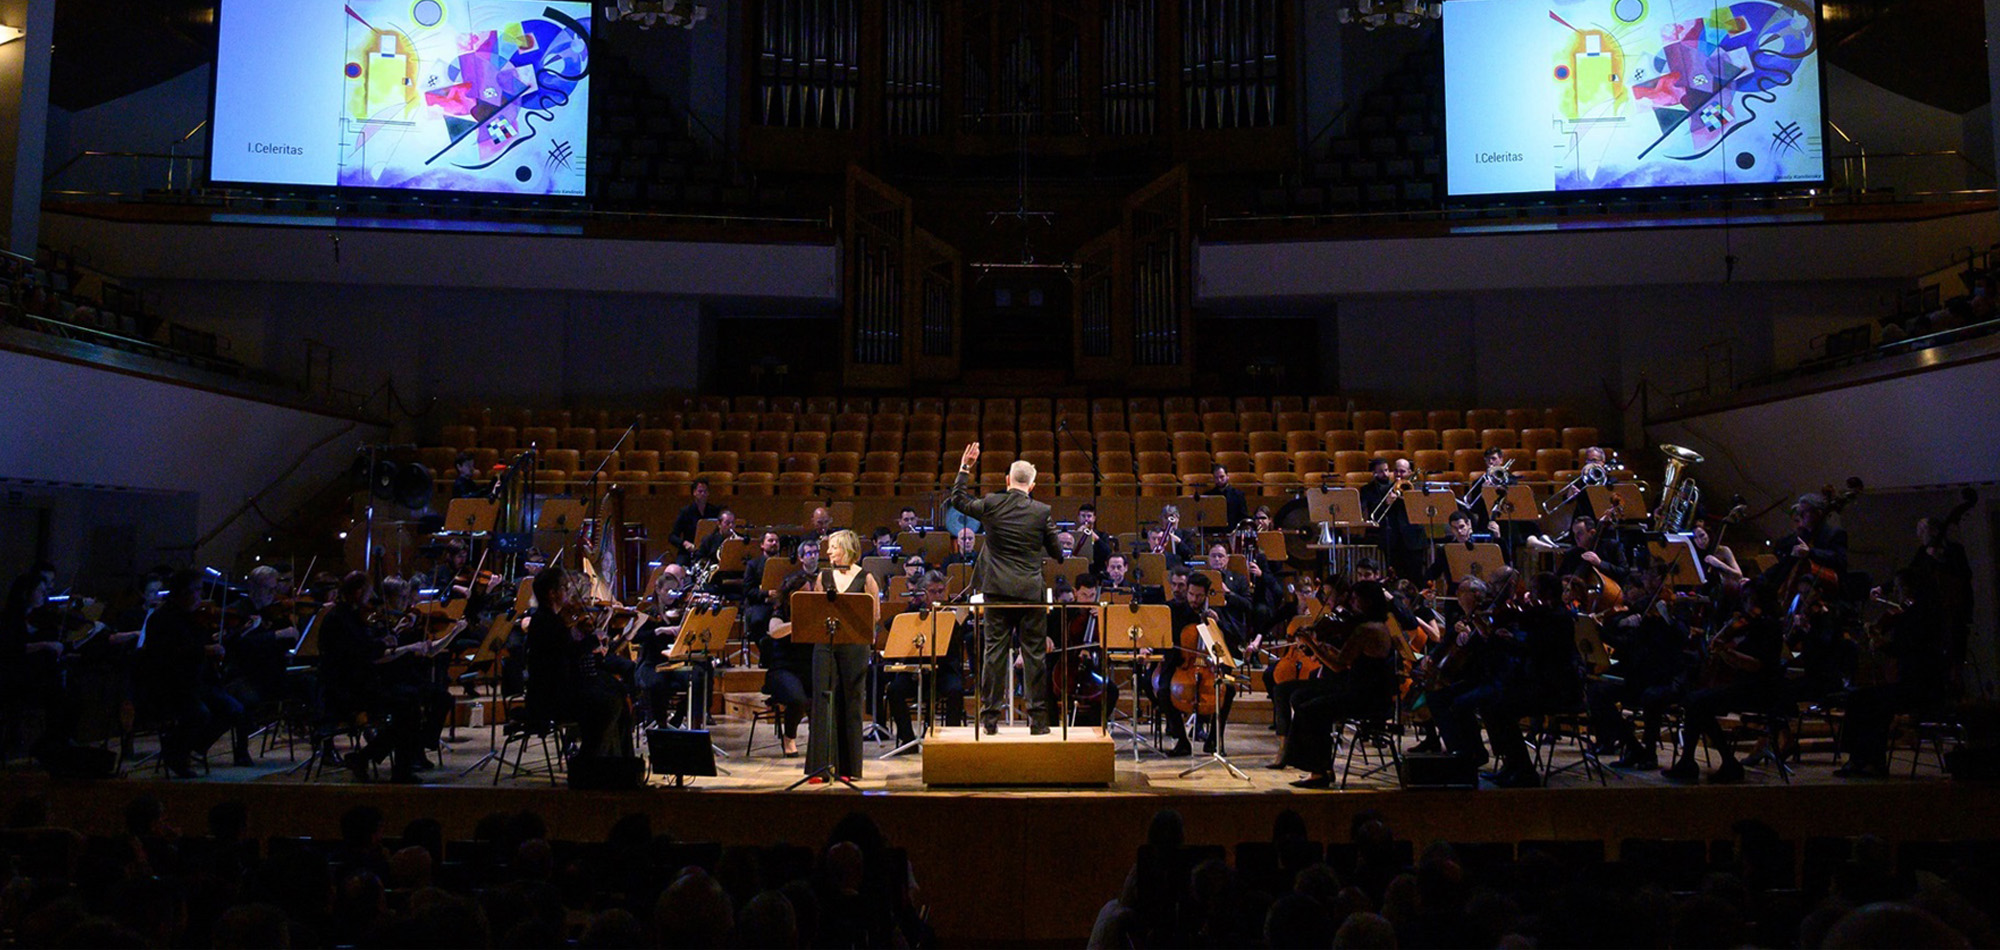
[831,620]
[1429,509]
[694,644]
[1217,655]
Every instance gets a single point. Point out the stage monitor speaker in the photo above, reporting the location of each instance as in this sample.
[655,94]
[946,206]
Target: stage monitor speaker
[606,772]
[680,752]
[1439,771]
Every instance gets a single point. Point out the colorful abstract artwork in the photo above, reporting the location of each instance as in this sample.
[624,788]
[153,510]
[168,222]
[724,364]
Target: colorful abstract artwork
[1653,94]
[466,95]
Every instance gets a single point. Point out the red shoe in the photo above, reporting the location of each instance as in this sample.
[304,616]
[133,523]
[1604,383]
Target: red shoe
[849,779]
[816,780]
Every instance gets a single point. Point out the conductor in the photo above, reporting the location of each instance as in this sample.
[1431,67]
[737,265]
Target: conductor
[1019,531]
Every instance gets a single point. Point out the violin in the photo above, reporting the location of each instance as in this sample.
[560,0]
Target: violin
[1075,673]
[1314,650]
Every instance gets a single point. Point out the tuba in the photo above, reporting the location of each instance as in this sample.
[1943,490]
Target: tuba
[1680,494]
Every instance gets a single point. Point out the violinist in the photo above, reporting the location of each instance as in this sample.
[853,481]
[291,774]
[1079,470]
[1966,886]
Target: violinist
[1457,664]
[1076,666]
[1718,561]
[1334,617]
[1541,674]
[668,605]
[1743,669]
[1362,683]
[1652,660]
[358,648]
[567,678]
[900,690]
[258,637]
[179,675]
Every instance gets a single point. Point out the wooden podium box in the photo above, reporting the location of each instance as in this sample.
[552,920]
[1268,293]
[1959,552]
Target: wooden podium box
[953,757]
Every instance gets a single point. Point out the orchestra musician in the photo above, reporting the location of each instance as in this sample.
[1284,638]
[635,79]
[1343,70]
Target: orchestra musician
[465,479]
[906,521]
[1089,542]
[900,690]
[1941,571]
[1718,560]
[967,552]
[31,648]
[840,671]
[1460,527]
[1541,673]
[757,604]
[567,678]
[787,665]
[258,650]
[819,525]
[1593,549]
[1114,579]
[1652,660]
[1815,546]
[1402,542]
[1181,545]
[665,607]
[688,522]
[710,549]
[1236,509]
[1189,593]
[181,678]
[1742,670]
[1363,683]
[1497,475]
[1334,596]
[1020,531]
[354,649]
[1595,472]
[1092,690]
[1235,612]
[1901,668]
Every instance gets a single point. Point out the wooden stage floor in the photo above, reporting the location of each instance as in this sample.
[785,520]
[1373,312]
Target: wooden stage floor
[1014,866]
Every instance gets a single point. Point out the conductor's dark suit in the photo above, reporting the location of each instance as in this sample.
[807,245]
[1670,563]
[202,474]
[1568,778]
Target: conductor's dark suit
[1019,531]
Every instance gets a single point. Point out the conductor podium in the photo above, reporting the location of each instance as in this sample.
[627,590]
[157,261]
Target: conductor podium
[1066,755]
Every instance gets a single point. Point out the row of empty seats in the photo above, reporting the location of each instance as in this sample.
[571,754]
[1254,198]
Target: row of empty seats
[1067,472]
[1006,441]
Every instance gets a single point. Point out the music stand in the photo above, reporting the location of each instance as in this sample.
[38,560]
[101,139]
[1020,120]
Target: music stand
[1678,562]
[1067,570]
[1271,544]
[1520,501]
[470,516]
[1483,560]
[1135,627]
[919,639]
[831,620]
[488,656]
[1150,570]
[1218,593]
[1211,513]
[733,554]
[559,516]
[1632,502]
[957,578]
[1428,510]
[775,579]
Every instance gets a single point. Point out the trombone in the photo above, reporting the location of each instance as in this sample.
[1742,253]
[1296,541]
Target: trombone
[1495,477]
[1594,473]
[1396,490]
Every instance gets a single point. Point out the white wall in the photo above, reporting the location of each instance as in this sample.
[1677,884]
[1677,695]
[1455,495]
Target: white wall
[82,425]
[150,120]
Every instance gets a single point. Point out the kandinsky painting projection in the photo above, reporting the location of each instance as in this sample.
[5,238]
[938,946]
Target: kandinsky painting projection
[1590,95]
[436,95]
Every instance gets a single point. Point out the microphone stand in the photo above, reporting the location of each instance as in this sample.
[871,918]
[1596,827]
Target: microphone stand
[1062,426]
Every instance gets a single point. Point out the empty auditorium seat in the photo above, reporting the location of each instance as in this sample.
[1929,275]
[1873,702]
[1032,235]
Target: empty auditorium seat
[820,422]
[796,483]
[1342,440]
[827,405]
[695,440]
[501,438]
[1554,460]
[1481,419]
[1107,421]
[1524,418]
[882,461]
[851,422]
[1116,440]
[1190,441]
[1403,419]
[745,421]
[682,462]
[885,440]
[848,463]
[1349,462]
[1369,419]
[1442,419]
[720,460]
[875,484]
[767,440]
[1500,438]
[759,462]
[458,437]
[1534,440]
[814,442]
[1560,418]
[1254,421]
[1072,460]
[1076,484]
[1418,440]
[755,484]
[1151,440]
[916,483]
[1219,422]
[732,440]
[1227,442]
[1154,463]
[1330,419]
[778,421]
[925,422]
[1311,465]
[920,462]
[1038,441]
[643,460]
[1578,438]
[546,437]
[1264,440]
[1115,462]
[1145,421]
[1380,440]
[847,440]
[1432,461]
[1468,460]
[1183,422]
[962,405]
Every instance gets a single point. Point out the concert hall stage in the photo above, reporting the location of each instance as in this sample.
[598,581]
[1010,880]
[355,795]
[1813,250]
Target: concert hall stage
[1010,867]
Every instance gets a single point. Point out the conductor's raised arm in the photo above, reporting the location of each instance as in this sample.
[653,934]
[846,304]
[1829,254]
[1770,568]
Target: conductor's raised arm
[962,497]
